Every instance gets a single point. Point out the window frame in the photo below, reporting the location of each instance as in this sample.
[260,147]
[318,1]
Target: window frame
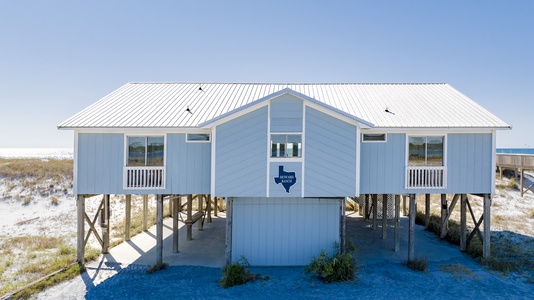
[187,140]
[426,135]
[146,136]
[285,158]
[375,141]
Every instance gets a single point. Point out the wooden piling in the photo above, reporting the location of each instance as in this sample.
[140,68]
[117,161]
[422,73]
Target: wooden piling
[175,229]
[145,212]
[522,184]
[397,222]
[215,206]
[80,208]
[208,208]
[384,216]
[159,229]
[189,217]
[427,210]
[404,210]
[486,250]
[463,223]
[201,210]
[128,217]
[171,210]
[366,206]
[106,228]
[228,244]
[375,210]
[444,228]
[411,229]
[342,225]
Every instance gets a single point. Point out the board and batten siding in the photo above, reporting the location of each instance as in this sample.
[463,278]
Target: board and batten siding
[469,163]
[188,165]
[286,114]
[241,156]
[283,231]
[469,157]
[330,156]
[382,165]
[100,163]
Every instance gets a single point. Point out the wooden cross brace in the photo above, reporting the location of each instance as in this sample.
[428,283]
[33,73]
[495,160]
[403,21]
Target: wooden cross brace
[526,189]
[370,211]
[476,230]
[92,225]
[448,213]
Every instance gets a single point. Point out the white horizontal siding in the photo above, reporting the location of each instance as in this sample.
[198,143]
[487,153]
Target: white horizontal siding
[241,156]
[330,153]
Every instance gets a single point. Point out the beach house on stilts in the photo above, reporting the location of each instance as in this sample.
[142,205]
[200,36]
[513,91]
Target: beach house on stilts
[284,158]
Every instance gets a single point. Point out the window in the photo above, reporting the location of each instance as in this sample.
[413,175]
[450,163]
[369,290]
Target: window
[145,150]
[374,137]
[425,150]
[286,145]
[198,137]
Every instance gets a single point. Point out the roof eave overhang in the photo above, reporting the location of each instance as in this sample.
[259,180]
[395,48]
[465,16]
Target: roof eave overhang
[442,128]
[134,129]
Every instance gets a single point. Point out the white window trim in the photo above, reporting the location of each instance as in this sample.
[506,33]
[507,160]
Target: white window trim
[286,159]
[269,149]
[302,141]
[444,135]
[126,136]
[213,158]
[445,162]
[384,141]
[188,141]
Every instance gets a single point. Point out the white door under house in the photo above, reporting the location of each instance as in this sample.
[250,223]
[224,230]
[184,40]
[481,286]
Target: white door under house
[284,231]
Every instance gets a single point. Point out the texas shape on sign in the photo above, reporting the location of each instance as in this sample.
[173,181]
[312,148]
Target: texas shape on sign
[287,179]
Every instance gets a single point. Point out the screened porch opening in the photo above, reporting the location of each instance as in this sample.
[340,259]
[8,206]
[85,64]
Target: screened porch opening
[426,164]
[145,164]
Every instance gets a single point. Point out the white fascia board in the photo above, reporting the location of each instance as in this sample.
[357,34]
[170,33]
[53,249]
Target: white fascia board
[213,158]
[75,164]
[429,129]
[493,161]
[160,130]
[358,160]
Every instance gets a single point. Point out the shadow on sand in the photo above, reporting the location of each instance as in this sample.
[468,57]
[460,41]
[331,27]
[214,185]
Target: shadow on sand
[381,271]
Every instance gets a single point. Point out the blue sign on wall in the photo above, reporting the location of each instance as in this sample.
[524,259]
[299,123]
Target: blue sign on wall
[287,179]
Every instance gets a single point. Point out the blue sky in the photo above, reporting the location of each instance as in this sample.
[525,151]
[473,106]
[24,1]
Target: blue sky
[58,57]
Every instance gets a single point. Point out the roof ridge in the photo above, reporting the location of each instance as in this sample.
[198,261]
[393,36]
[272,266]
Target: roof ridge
[294,83]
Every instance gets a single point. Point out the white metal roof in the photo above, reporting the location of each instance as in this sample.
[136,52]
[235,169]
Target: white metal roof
[164,105]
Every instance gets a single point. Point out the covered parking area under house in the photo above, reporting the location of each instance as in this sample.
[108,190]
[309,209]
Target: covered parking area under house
[211,243]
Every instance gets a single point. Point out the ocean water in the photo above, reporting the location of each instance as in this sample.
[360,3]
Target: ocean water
[56,153]
[516,150]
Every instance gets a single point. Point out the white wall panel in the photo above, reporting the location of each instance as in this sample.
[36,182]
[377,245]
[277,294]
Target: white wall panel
[283,231]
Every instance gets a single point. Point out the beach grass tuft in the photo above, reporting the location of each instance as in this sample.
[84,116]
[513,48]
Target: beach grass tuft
[418,264]
[54,200]
[338,267]
[458,271]
[238,273]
